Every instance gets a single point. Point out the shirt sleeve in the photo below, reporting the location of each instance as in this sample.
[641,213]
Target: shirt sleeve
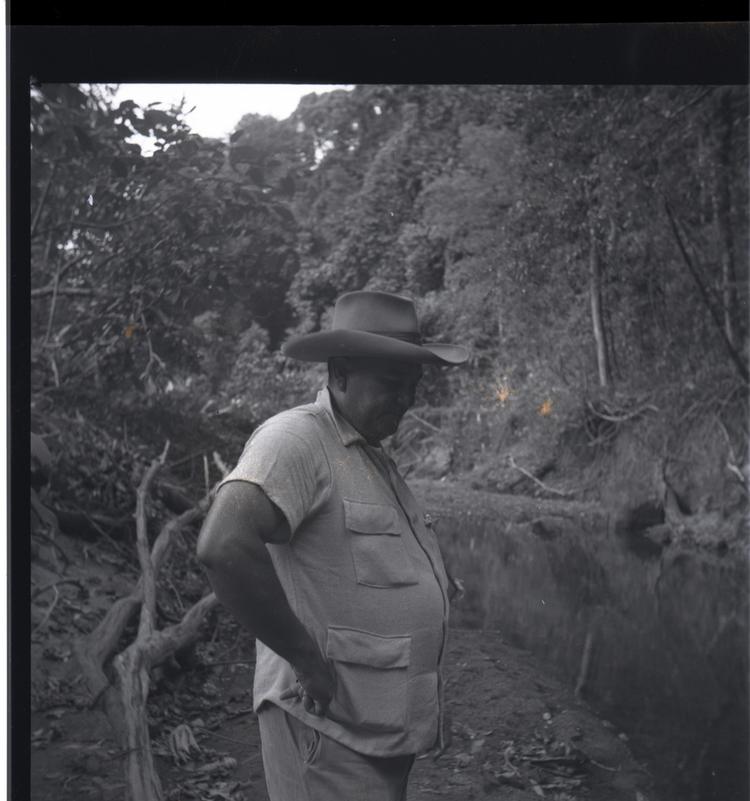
[286,460]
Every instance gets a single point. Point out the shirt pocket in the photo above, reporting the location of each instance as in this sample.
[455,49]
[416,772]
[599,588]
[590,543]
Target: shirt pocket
[371,678]
[378,552]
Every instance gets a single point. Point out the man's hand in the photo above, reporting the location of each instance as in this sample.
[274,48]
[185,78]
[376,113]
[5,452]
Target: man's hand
[315,686]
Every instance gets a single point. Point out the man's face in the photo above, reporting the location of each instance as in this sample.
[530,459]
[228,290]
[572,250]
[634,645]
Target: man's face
[377,395]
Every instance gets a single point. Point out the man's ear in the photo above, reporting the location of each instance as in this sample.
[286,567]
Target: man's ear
[337,376]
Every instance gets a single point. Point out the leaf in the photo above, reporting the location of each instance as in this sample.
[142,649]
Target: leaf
[155,118]
[546,408]
[182,743]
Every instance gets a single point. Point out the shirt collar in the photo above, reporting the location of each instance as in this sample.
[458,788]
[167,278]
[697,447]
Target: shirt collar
[349,435]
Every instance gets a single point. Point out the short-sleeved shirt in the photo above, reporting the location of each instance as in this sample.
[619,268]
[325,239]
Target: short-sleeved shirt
[363,573]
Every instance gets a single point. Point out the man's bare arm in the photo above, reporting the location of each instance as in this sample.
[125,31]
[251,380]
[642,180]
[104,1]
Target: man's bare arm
[232,548]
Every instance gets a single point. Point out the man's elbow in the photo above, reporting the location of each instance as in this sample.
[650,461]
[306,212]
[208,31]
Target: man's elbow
[207,549]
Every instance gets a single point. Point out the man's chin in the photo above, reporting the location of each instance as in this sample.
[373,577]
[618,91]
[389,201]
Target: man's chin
[389,428]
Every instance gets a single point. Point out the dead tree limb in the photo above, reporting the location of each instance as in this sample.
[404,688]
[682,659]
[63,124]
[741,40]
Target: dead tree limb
[124,698]
[93,651]
[423,422]
[133,672]
[621,415]
[545,487]
[148,606]
[50,610]
[219,462]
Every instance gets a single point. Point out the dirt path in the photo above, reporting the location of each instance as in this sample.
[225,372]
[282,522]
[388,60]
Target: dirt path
[515,733]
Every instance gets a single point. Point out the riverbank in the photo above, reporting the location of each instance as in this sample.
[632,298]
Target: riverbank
[514,732]
[646,622]
[549,577]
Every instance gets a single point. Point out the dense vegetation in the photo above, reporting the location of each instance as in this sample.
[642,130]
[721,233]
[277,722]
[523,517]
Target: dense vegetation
[588,243]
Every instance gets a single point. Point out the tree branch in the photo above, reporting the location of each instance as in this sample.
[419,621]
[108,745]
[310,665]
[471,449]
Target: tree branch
[109,224]
[423,422]
[55,288]
[165,642]
[219,462]
[512,463]
[43,291]
[43,199]
[148,607]
[47,290]
[735,357]
[95,649]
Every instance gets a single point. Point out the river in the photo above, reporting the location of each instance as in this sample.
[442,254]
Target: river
[653,635]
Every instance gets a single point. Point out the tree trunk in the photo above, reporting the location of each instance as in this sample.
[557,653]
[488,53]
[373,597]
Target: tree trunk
[133,680]
[724,222]
[595,295]
[735,356]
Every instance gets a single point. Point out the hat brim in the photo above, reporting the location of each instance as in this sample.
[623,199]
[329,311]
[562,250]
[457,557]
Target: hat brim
[324,345]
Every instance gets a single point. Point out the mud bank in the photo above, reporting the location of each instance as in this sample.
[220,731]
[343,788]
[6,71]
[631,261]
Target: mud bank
[652,633]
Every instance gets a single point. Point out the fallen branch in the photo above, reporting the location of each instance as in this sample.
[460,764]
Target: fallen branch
[218,461]
[148,607]
[93,651]
[49,611]
[623,416]
[731,457]
[530,475]
[43,291]
[97,647]
[174,498]
[164,643]
[423,422]
[132,667]
[125,701]
[57,547]
[37,592]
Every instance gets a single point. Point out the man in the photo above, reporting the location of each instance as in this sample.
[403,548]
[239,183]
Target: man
[317,546]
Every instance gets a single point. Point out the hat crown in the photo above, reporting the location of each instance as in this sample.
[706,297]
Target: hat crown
[377,313]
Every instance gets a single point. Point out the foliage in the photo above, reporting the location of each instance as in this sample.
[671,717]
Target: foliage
[167,281]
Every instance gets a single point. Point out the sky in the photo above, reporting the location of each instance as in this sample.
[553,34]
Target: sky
[219,106]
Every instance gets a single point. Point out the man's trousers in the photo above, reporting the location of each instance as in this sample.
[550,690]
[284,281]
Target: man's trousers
[302,764]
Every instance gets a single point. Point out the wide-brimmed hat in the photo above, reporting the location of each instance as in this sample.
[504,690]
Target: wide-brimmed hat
[373,324]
